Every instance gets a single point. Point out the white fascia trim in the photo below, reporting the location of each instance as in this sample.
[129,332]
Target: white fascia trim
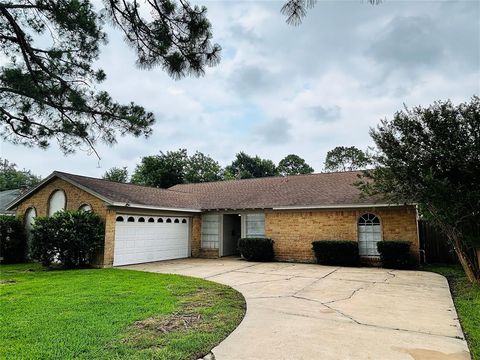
[32,190]
[348,206]
[149,207]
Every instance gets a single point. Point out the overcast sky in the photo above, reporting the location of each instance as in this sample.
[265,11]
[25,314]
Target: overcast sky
[282,89]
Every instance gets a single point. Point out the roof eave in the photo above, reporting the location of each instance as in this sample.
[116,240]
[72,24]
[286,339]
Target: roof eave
[150,207]
[345,206]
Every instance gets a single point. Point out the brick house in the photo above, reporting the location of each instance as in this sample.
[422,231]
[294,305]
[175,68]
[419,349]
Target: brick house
[144,224]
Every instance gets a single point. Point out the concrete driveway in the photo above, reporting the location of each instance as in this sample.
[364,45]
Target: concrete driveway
[307,311]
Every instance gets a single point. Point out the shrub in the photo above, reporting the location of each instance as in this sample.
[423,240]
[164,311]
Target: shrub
[395,254]
[336,252]
[72,238]
[13,242]
[256,249]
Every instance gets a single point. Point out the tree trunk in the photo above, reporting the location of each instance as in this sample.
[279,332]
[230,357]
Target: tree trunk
[467,264]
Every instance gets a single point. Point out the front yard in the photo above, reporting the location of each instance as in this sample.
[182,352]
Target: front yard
[467,302]
[111,313]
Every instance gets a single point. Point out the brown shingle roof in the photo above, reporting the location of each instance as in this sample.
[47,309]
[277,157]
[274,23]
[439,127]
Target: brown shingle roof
[325,189]
[134,194]
[313,190]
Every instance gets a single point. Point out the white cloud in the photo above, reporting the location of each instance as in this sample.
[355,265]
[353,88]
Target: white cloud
[282,89]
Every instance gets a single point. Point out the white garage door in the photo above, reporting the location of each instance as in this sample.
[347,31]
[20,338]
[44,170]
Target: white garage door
[140,239]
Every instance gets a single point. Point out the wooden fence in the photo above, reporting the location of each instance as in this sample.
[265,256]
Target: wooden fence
[437,248]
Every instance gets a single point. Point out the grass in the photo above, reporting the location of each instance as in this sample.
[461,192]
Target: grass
[111,314]
[467,302]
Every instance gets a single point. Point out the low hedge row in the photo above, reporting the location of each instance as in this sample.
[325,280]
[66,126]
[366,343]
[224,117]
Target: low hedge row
[336,252]
[395,254]
[256,249]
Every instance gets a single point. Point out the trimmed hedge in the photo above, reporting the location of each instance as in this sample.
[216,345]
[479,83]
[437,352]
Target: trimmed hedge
[256,249]
[395,254]
[336,252]
[72,238]
[13,241]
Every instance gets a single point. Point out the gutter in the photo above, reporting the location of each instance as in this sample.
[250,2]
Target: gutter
[347,206]
[141,206]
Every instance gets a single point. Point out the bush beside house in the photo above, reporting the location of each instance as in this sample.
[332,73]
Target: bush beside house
[72,238]
[395,254]
[256,249]
[336,252]
[13,241]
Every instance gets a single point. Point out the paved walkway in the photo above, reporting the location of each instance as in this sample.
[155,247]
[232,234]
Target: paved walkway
[306,311]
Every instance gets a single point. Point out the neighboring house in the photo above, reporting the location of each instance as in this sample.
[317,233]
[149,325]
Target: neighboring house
[6,197]
[144,224]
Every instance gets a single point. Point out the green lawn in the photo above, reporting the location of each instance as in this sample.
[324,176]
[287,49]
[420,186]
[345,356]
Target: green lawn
[467,302]
[111,314]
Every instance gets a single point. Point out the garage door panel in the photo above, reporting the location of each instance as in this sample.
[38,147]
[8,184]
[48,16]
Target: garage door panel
[137,242]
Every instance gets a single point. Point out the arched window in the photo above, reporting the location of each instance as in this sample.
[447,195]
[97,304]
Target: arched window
[151,220]
[141,219]
[184,221]
[120,218]
[369,234]
[85,207]
[56,202]
[177,221]
[169,220]
[131,219]
[30,216]
[160,220]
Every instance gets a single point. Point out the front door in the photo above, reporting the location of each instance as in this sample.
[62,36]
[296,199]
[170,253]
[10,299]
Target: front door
[231,234]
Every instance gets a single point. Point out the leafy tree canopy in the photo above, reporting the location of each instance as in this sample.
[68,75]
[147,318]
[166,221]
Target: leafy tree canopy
[164,170]
[432,156]
[202,168]
[343,158]
[245,167]
[12,178]
[48,80]
[116,174]
[293,165]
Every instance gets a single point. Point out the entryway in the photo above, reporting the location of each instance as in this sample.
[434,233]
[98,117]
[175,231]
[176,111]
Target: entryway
[232,229]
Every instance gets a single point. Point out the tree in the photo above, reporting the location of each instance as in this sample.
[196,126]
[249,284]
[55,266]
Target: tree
[246,167]
[343,158]
[202,168]
[11,178]
[293,165]
[116,174]
[164,170]
[48,78]
[296,10]
[431,156]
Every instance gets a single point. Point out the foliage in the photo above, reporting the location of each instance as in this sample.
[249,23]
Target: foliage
[343,158]
[296,10]
[116,174]
[432,156]
[164,170]
[395,254]
[11,178]
[293,165]
[72,238]
[246,167]
[336,252]
[111,314]
[13,242]
[48,80]
[256,249]
[466,297]
[202,168]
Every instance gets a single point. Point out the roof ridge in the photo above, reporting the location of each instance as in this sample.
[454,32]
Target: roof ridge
[119,183]
[269,177]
